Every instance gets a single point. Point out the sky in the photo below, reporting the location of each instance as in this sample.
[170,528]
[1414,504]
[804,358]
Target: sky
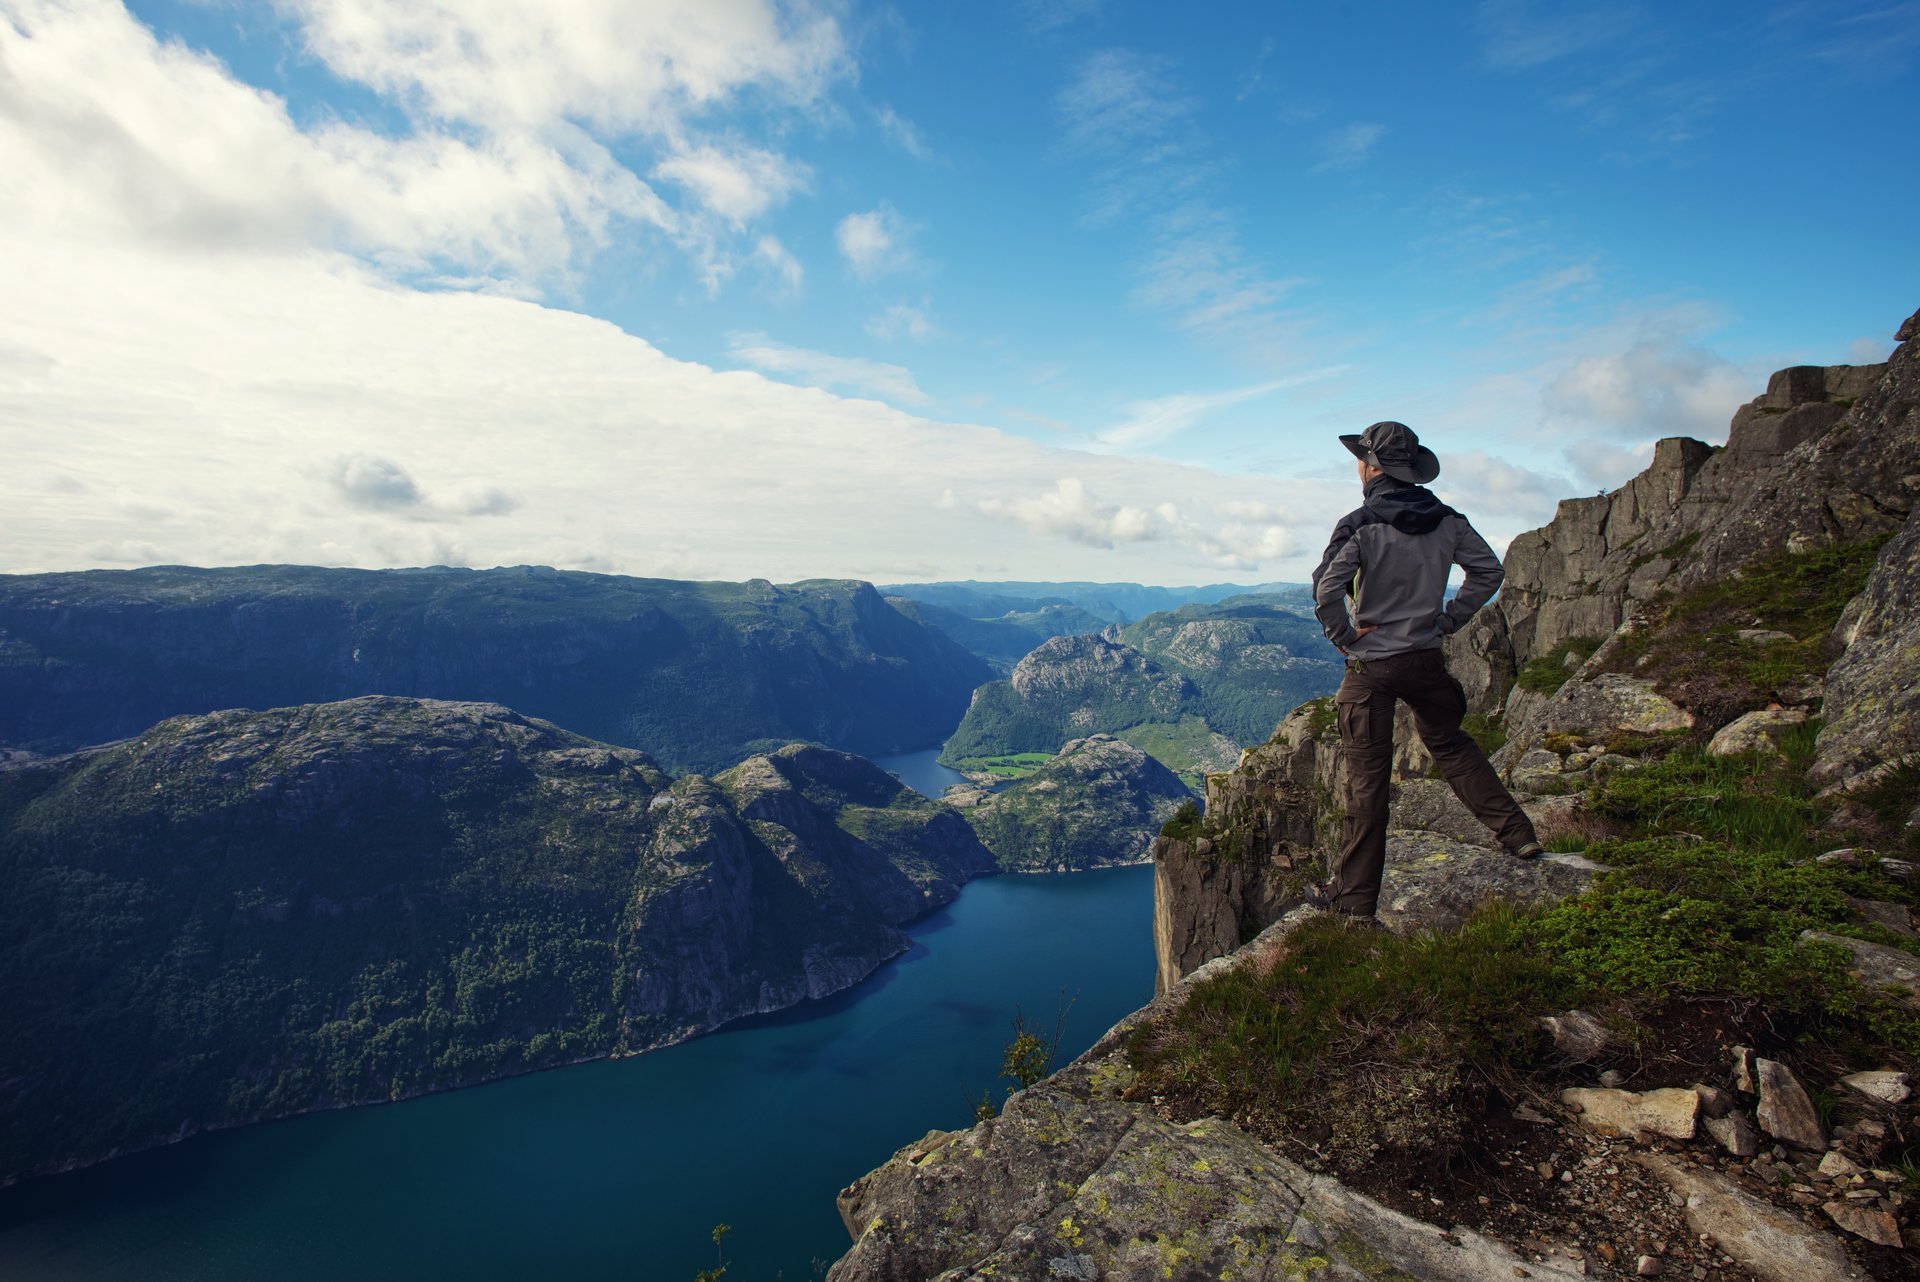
[1003,289]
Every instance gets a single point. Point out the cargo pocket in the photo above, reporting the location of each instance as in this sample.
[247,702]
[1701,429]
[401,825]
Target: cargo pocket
[1366,724]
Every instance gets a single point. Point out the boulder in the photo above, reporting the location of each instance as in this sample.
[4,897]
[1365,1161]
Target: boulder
[1756,732]
[1875,965]
[1876,1226]
[1884,1085]
[1735,1133]
[1775,1244]
[1596,710]
[1434,882]
[1785,1111]
[1670,1111]
[1577,1036]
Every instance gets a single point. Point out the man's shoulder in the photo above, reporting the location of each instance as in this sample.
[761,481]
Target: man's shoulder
[1346,525]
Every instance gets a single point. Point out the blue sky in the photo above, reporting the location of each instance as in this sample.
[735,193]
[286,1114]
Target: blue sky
[1015,288]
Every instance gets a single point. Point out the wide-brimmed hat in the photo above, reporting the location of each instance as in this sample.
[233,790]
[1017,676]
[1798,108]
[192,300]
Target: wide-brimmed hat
[1394,449]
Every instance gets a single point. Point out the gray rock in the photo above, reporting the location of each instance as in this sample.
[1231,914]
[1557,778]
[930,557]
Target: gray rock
[1875,1226]
[1433,882]
[1876,965]
[1714,1102]
[1577,1036]
[1743,1070]
[1872,708]
[1670,1111]
[1763,636]
[1609,704]
[1759,731]
[1785,1111]
[1735,1133]
[1885,1085]
[1776,1245]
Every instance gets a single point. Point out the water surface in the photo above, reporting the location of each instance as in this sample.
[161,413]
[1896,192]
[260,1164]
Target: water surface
[619,1169]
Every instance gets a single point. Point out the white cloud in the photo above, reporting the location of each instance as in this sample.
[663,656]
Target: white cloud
[873,242]
[499,182]
[1655,387]
[1049,15]
[820,369]
[903,320]
[202,410]
[1069,511]
[1349,147]
[739,185]
[1477,482]
[617,66]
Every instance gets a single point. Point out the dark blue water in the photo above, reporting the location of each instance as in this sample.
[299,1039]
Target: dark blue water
[922,771]
[619,1169]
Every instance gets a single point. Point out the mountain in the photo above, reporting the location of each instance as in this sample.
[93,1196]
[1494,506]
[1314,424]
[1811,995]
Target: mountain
[1110,602]
[696,674]
[1680,1045]
[1001,640]
[1189,686]
[246,915]
[1099,801]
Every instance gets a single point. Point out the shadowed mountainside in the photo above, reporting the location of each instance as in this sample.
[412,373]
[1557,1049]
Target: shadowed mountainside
[696,674]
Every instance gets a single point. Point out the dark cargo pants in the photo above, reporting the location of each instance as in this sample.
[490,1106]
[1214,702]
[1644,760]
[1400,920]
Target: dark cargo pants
[1365,700]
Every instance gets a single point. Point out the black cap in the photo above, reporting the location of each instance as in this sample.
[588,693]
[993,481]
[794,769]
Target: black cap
[1394,449]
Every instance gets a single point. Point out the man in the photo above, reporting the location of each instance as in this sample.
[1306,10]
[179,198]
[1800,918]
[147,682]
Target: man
[1390,558]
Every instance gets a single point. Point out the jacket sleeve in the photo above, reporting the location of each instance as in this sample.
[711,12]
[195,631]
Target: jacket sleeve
[1331,583]
[1484,576]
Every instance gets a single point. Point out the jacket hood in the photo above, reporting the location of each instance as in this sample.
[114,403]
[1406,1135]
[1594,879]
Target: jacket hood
[1410,509]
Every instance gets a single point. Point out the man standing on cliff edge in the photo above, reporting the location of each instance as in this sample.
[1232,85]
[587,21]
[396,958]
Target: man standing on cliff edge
[1380,593]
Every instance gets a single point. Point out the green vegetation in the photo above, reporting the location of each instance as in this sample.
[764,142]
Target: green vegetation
[1489,732]
[1369,1042]
[1545,673]
[697,674]
[1012,765]
[719,1269]
[1693,652]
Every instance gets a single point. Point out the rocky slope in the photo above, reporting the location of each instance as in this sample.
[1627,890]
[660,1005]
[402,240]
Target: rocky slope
[696,674]
[1306,1099]
[252,914]
[1188,686]
[1001,640]
[1098,802]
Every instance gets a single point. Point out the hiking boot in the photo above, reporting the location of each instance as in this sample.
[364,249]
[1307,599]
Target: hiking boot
[1317,896]
[1532,850]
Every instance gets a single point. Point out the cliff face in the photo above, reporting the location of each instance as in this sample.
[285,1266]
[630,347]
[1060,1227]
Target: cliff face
[696,674]
[252,914]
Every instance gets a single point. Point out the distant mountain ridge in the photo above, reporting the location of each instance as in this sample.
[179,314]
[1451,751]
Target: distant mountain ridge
[696,674]
[1112,602]
[1191,687]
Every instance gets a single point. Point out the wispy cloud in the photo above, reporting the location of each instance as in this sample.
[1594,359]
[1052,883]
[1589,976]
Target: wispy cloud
[1520,34]
[1349,147]
[820,369]
[738,185]
[774,257]
[874,242]
[1163,417]
[1051,15]
[903,133]
[903,320]
[1122,113]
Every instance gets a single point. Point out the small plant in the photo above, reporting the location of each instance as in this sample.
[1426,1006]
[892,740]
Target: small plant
[719,1269]
[1029,1057]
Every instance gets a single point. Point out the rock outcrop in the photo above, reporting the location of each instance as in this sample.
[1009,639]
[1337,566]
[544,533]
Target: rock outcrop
[253,914]
[1073,1180]
[1099,801]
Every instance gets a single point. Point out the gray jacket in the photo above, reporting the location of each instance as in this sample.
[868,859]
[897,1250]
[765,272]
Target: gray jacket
[1391,556]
